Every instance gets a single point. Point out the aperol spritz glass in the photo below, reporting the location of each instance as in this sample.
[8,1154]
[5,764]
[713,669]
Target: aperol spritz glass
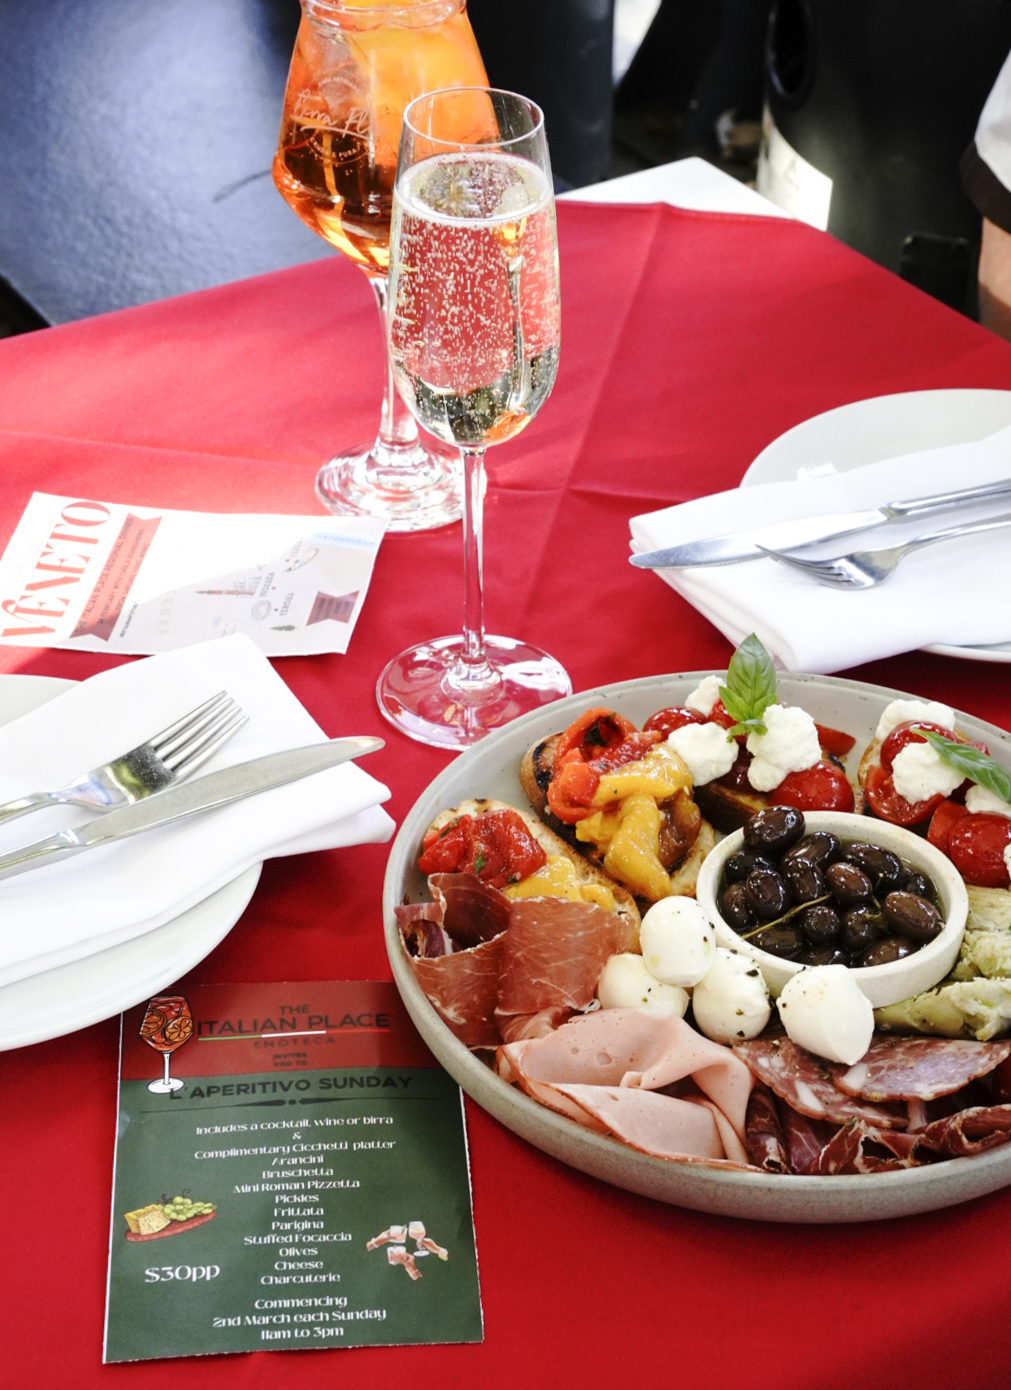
[356,66]
[167,1024]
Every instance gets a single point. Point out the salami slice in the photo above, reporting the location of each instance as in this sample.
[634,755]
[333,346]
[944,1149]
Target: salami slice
[918,1068]
[807,1083]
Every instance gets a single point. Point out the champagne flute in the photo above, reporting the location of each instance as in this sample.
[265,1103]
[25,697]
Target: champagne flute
[474,331]
[356,65]
[166,1025]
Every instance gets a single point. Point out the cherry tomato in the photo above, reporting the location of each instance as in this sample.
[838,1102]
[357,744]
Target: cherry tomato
[823,787]
[834,740]
[497,847]
[941,822]
[665,721]
[976,845]
[904,734]
[719,714]
[888,805]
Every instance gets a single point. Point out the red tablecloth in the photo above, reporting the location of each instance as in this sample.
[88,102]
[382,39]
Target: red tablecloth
[689,342]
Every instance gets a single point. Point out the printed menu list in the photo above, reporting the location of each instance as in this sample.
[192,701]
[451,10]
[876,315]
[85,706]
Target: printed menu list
[291,1171]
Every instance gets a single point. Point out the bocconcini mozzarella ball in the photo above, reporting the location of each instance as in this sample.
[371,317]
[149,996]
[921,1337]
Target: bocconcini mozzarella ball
[625,983]
[678,941]
[824,1010]
[731,1002]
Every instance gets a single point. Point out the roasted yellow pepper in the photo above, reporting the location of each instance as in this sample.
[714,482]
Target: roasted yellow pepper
[633,855]
[660,774]
[558,879]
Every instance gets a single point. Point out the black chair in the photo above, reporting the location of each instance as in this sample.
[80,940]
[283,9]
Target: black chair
[136,137]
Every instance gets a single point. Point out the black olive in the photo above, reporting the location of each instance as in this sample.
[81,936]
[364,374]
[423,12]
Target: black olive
[848,884]
[912,916]
[766,893]
[884,869]
[734,908]
[821,847]
[820,924]
[783,940]
[823,955]
[892,948]
[740,865]
[919,884]
[774,830]
[804,879]
[862,927]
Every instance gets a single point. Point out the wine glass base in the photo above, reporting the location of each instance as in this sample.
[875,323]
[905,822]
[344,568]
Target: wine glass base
[429,694]
[413,489]
[165,1088]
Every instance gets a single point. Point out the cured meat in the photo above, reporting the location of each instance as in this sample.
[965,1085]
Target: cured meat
[764,1135]
[805,1138]
[463,989]
[918,1068]
[629,1052]
[966,1133]
[858,1147]
[807,1083]
[663,1126]
[553,955]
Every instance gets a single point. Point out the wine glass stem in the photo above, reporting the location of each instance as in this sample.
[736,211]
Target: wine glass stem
[473,656]
[398,429]
[167,1058]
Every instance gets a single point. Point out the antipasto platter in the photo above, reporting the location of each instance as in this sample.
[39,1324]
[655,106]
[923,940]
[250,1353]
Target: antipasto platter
[492,770]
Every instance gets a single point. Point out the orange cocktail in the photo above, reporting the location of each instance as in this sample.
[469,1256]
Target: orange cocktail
[355,67]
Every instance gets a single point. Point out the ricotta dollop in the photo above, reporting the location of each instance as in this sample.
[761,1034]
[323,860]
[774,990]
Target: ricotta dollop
[705,695]
[918,772]
[901,711]
[707,750]
[790,744]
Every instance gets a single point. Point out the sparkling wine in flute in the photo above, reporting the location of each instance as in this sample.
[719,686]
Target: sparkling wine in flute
[474,333]
[477,229]
[167,1024]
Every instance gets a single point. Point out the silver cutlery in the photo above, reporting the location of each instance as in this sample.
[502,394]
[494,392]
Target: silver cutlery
[174,754]
[864,569]
[752,544]
[190,799]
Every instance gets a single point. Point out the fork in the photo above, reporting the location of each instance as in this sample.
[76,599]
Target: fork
[863,569]
[174,754]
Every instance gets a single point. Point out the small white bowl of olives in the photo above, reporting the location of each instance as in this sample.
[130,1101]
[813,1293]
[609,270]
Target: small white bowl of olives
[796,889]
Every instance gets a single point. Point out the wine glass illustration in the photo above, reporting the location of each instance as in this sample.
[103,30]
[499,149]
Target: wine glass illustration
[166,1026]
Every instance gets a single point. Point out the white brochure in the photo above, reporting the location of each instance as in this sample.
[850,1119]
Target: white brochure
[104,577]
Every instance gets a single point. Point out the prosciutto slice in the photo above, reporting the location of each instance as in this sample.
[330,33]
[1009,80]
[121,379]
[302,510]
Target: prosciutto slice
[764,1134]
[918,1068]
[463,989]
[858,1147]
[596,1067]
[965,1133]
[807,1083]
[554,953]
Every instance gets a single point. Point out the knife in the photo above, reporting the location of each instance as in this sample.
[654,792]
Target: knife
[188,799]
[809,530]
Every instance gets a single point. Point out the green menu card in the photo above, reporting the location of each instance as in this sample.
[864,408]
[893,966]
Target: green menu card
[291,1171]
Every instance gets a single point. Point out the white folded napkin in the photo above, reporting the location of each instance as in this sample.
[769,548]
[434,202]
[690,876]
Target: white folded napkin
[61,912]
[953,593]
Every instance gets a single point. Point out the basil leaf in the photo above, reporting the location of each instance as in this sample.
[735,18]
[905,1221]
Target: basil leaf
[973,763]
[750,687]
[480,861]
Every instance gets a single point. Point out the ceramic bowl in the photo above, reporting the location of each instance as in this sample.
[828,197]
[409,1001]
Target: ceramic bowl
[882,984]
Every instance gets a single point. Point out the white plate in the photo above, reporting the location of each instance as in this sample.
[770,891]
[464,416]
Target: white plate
[884,427]
[87,991]
[490,769]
